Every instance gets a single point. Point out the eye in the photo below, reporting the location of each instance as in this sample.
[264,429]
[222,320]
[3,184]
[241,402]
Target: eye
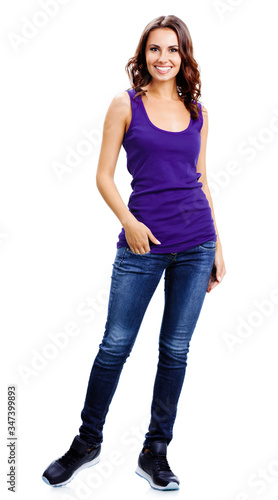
[153,48]
[175,50]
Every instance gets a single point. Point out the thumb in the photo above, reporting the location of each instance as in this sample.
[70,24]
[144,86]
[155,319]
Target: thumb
[153,238]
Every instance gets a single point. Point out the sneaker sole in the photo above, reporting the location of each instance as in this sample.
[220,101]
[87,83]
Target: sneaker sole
[170,486]
[84,466]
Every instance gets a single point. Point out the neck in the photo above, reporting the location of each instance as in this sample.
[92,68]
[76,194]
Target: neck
[163,90]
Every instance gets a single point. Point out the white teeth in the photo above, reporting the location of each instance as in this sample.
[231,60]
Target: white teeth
[164,69]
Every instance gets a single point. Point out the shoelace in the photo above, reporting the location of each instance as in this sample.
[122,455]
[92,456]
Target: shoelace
[69,458]
[161,463]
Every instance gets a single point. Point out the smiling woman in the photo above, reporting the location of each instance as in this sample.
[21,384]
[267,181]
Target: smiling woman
[168,227]
[151,57]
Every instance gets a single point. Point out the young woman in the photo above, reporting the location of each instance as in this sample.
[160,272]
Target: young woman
[169,225]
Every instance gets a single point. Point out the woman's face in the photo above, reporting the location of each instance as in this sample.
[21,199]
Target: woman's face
[162,54]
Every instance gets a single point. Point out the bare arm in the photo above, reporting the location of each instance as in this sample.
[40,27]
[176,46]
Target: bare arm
[220,270]
[136,232]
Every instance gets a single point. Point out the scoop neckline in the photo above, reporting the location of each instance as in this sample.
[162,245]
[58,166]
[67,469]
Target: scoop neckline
[162,129]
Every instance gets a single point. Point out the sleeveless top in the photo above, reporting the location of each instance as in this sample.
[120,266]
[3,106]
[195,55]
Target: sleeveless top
[167,196]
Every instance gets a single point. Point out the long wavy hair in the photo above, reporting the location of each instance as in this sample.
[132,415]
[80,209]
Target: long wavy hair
[188,78]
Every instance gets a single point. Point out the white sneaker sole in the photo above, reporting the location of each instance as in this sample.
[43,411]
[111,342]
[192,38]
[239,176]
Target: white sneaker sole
[84,466]
[170,486]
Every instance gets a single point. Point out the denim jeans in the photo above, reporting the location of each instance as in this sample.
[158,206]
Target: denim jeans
[133,282]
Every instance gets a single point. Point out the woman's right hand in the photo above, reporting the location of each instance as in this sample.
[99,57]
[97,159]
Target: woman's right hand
[137,236]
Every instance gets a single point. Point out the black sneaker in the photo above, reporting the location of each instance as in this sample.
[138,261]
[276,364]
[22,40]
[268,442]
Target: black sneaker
[153,466]
[78,457]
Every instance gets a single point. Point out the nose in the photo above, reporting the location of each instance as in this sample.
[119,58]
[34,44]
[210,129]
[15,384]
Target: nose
[163,57]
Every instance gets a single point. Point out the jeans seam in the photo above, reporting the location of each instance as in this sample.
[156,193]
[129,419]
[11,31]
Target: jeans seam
[201,245]
[122,257]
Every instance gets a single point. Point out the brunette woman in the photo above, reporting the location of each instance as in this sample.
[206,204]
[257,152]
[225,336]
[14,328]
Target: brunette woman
[168,227]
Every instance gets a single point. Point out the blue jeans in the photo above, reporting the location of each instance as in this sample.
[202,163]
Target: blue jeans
[133,282]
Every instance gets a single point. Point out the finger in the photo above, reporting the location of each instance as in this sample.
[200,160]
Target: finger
[153,238]
[212,285]
[143,250]
[218,273]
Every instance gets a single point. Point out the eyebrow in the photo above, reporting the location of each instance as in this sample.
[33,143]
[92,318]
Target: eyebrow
[154,45]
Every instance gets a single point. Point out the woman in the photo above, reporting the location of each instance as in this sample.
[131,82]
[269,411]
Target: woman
[169,226]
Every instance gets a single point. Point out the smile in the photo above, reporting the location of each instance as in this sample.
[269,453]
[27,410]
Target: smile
[163,69]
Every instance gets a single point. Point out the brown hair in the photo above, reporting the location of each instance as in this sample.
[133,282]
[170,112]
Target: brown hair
[188,77]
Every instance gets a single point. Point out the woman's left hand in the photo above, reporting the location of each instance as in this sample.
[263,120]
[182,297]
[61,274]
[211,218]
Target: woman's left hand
[218,270]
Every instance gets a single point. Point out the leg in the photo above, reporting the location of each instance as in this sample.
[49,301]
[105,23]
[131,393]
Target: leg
[133,282]
[186,281]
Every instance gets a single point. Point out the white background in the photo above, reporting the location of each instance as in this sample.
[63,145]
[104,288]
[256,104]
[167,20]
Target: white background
[58,241]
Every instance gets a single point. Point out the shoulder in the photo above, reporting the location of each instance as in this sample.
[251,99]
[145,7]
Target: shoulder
[204,110]
[119,106]
[121,100]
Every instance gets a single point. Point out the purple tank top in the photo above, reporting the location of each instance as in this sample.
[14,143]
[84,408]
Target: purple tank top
[167,196]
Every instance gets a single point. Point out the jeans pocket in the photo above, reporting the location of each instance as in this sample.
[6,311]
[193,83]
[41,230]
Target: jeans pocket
[139,254]
[208,245]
